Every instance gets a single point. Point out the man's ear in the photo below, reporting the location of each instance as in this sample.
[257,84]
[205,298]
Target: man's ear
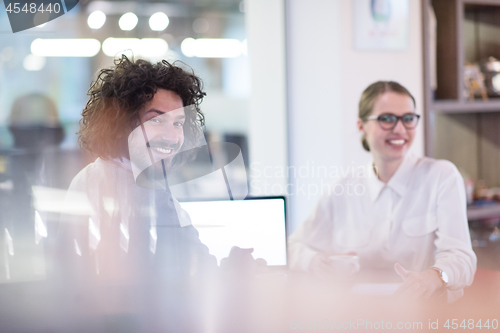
[134,122]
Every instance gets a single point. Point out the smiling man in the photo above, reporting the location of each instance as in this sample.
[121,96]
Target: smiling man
[162,99]
[158,137]
[134,251]
[162,121]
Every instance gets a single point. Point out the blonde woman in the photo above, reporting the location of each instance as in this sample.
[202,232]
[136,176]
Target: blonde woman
[411,216]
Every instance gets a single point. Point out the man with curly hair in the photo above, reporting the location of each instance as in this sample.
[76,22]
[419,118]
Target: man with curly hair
[137,107]
[119,98]
[135,239]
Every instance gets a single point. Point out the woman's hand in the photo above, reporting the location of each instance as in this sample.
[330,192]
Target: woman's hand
[321,264]
[418,284]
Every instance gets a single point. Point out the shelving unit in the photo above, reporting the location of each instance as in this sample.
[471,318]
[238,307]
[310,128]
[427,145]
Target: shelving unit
[483,212]
[466,132]
[466,107]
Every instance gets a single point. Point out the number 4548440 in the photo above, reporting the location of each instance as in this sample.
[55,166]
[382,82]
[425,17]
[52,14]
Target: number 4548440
[471,324]
[33,8]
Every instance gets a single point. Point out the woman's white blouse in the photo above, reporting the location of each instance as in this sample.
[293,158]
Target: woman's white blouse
[417,219]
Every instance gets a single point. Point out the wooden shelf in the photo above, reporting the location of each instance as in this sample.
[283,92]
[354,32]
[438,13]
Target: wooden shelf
[483,212]
[461,131]
[481,2]
[477,106]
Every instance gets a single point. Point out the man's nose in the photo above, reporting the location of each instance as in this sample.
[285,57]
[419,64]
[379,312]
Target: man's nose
[170,134]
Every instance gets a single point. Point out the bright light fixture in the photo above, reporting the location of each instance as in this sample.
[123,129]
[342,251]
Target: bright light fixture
[111,46]
[96,19]
[128,21]
[152,47]
[146,47]
[33,62]
[212,47]
[158,21]
[188,47]
[244,47]
[79,47]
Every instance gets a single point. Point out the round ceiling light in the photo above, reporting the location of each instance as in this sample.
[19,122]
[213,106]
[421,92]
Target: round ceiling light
[96,19]
[128,21]
[158,21]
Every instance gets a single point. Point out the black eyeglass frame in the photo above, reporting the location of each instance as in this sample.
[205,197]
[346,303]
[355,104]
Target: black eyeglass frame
[398,118]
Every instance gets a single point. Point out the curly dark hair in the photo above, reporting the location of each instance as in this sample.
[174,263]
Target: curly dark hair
[119,93]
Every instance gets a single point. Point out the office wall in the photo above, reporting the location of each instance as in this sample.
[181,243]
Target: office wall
[326,77]
[267,117]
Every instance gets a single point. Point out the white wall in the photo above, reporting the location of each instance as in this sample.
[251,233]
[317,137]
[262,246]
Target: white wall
[326,77]
[265,23]
[314,98]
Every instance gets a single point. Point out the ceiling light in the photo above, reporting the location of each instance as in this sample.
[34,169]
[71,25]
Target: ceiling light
[96,19]
[128,21]
[146,47]
[152,47]
[78,47]
[33,62]
[112,46]
[244,47]
[158,21]
[212,47]
[188,47]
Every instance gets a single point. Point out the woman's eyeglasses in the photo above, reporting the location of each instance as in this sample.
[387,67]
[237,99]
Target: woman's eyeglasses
[388,121]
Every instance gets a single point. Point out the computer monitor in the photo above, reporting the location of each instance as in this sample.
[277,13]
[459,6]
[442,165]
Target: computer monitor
[257,223]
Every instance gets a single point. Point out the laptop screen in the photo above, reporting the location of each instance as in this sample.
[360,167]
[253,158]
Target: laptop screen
[257,223]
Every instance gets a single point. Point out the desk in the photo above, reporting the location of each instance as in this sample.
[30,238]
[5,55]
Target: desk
[301,303]
[268,303]
[484,291]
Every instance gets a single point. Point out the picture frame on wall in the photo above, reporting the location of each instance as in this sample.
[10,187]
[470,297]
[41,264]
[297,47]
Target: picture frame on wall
[381,24]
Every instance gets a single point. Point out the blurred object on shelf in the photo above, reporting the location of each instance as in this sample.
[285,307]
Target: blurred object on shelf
[483,203]
[496,193]
[482,191]
[485,207]
[469,187]
[495,235]
[485,231]
[479,243]
[491,74]
[474,82]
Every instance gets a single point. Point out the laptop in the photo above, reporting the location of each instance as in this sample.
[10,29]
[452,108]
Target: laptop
[258,223]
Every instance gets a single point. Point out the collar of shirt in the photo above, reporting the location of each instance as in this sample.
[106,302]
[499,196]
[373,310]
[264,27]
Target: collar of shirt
[124,163]
[398,181]
[183,217]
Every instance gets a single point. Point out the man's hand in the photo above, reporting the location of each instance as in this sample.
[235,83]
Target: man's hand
[418,284]
[241,261]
